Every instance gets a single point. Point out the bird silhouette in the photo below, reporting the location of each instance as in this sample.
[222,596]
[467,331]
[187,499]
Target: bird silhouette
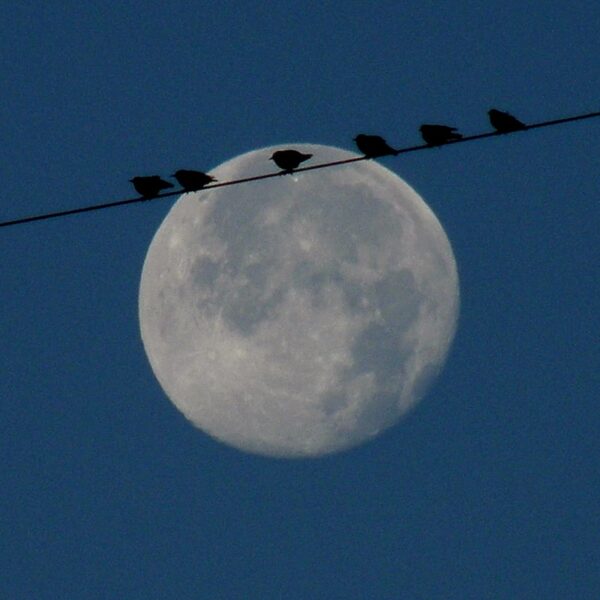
[373,146]
[150,186]
[191,181]
[288,160]
[504,122]
[436,135]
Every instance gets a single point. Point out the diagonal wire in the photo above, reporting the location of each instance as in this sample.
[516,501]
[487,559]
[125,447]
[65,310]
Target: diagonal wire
[470,138]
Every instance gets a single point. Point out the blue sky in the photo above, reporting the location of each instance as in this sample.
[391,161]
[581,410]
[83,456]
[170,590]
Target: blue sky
[489,489]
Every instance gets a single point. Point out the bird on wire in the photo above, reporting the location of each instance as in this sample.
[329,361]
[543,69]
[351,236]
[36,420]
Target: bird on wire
[192,181]
[504,122]
[150,186]
[373,146]
[436,135]
[288,160]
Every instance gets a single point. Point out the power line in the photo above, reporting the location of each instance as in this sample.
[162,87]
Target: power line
[470,138]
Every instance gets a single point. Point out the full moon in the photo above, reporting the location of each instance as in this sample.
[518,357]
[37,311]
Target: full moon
[300,315]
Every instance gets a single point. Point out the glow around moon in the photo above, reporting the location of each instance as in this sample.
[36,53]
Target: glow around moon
[300,315]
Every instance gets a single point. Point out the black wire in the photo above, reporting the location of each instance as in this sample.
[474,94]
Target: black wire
[470,138]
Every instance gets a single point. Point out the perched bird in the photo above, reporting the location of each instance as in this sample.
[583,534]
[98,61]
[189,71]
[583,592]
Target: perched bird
[191,181]
[150,186]
[288,160]
[373,146]
[504,122]
[436,135]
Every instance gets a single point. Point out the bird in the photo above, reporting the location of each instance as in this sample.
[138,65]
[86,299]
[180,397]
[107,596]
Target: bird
[504,122]
[436,135]
[288,160]
[373,146]
[150,186]
[191,181]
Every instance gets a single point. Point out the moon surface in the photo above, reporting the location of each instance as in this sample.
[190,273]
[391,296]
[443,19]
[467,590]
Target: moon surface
[299,315]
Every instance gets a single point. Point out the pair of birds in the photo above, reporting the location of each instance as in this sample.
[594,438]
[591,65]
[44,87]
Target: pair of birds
[373,146]
[502,122]
[151,186]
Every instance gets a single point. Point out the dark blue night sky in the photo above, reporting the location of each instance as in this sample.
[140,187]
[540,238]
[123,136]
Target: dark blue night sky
[489,489]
